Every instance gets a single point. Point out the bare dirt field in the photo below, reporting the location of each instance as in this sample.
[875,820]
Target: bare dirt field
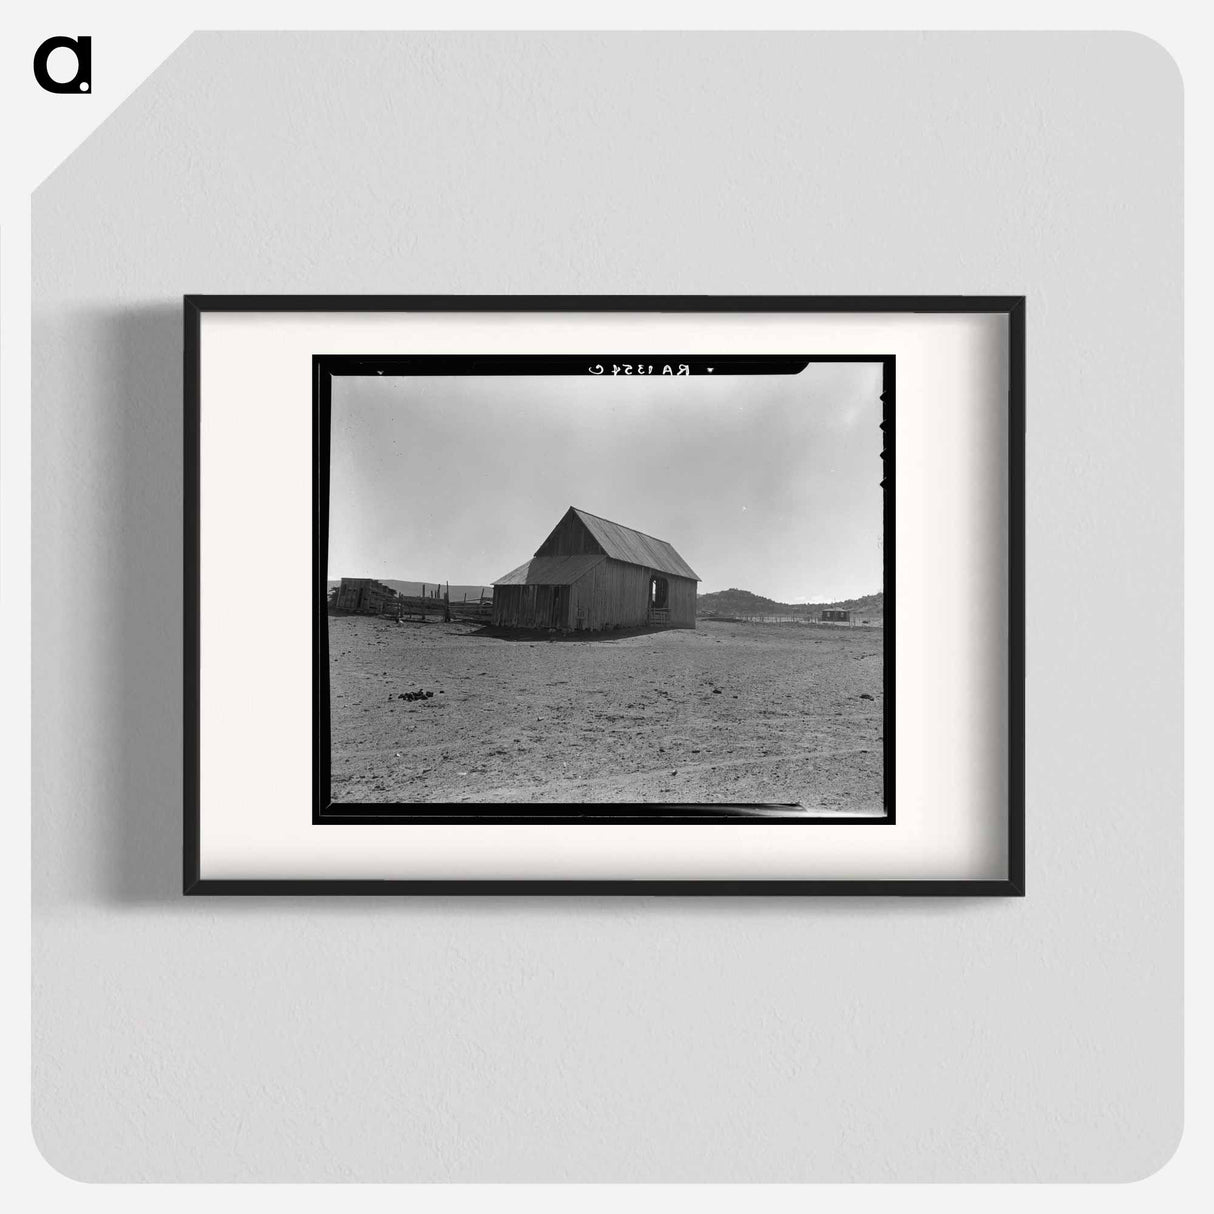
[736,713]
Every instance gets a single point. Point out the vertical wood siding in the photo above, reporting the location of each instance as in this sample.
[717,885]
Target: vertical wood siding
[682,602]
[616,595]
[531,606]
[613,594]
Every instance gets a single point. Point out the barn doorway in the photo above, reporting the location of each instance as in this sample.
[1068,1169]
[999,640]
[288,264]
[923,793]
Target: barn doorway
[659,591]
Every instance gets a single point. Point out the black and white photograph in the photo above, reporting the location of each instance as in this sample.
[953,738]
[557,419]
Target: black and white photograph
[633,584]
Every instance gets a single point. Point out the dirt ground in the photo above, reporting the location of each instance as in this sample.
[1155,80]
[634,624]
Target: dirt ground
[731,713]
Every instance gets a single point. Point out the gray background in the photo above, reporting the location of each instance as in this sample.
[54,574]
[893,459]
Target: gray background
[627,1039]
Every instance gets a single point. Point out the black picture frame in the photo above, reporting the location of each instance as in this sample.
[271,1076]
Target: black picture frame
[1011,307]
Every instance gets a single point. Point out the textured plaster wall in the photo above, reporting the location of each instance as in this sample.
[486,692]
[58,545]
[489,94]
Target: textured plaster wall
[625,1039]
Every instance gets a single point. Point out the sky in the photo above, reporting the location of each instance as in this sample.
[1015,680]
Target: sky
[765,483]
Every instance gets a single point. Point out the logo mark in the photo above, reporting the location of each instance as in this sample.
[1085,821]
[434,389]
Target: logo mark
[82,48]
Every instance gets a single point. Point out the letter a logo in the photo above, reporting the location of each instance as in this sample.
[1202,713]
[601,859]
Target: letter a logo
[82,81]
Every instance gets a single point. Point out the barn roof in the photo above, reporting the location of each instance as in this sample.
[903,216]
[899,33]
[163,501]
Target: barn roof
[625,544]
[550,571]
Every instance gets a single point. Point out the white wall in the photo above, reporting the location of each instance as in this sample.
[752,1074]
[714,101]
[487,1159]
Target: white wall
[621,1039]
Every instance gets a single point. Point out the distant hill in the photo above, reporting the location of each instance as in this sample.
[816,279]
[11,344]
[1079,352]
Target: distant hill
[415,588]
[744,602]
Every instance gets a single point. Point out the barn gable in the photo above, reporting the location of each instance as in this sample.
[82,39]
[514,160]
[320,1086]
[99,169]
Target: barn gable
[582,533]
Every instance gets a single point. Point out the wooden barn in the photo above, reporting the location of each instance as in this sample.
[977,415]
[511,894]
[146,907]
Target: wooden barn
[591,574]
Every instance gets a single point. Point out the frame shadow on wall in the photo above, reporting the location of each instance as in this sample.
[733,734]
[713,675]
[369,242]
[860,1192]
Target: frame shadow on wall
[119,619]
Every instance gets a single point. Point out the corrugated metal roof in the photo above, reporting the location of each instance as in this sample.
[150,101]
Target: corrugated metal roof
[635,547]
[550,571]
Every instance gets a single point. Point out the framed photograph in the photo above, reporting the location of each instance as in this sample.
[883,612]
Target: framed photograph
[604,594]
